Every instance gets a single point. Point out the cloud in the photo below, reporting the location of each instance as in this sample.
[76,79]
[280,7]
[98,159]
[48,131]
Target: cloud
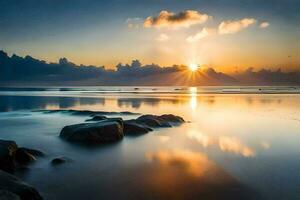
[269,77]
[16,70]
[162,37]
[230,26]
[176,20]
[264,25]
[200,35]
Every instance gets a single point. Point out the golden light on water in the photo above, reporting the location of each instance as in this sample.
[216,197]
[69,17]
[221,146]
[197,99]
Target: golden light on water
[193,98]
[193,91]
[194,163]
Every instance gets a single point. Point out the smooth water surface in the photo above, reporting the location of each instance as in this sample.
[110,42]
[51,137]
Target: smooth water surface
[234,146]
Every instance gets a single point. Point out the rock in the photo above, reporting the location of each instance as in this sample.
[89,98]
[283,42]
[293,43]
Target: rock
[116,119]
[113,129]
[23,157]
[97,118]
[12,157]
[14,185]
[152,121]
[109,130]
[22,169]
[58,161]
[171,118]
[132,128]
[128,113]
[8,151]
[159,121]
[7,195]
[81,112]
[34,152]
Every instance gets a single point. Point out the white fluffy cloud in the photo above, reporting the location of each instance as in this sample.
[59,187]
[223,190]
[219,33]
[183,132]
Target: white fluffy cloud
[205,32]
[176,20]
[234,26]
[264,25]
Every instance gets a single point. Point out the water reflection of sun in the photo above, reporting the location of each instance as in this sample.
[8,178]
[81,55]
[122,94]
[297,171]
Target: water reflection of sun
[193,97]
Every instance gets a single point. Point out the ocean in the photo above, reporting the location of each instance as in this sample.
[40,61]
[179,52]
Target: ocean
[237,142]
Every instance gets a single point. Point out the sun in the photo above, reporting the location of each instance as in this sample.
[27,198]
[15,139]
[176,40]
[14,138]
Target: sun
[193,67]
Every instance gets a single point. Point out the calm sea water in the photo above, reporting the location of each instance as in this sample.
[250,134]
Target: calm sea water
[240,143]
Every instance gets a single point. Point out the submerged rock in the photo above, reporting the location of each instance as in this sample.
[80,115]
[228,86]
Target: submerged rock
[159,121]
[81,112]
[97,118]
[23,157]
[12,157]
[115,119]
[133,128]
[113,129]
[59,160]
[33,152]
[8,151]
[110,130]
[152,121]
[15,186]
[171,118]
[7,195]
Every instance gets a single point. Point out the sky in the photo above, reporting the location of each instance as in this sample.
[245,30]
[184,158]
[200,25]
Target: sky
[227,35]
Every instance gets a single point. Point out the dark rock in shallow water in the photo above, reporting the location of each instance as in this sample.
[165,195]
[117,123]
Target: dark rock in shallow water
[97,118]
[152,121]
[133,128]
[59,160]
[12,157]
[81,112]
[116,119]
[8,151]
[34,152]
[23,157]
[7,195]
[22,169]
[110,130]
[171,118]
[159,121]
[113,129]
[14,185]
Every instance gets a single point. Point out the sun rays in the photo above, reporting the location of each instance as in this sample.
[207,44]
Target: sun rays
[193,67]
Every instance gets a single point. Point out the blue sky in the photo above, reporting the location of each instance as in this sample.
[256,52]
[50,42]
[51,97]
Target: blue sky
[98,32]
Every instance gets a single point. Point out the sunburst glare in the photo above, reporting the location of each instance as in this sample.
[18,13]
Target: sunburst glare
[193,67]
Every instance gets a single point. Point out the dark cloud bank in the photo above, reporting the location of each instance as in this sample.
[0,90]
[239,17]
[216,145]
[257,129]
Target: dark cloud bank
[28,71]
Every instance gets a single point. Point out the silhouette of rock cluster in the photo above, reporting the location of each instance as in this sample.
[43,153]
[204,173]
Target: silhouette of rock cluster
[106,130]
[13,158]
